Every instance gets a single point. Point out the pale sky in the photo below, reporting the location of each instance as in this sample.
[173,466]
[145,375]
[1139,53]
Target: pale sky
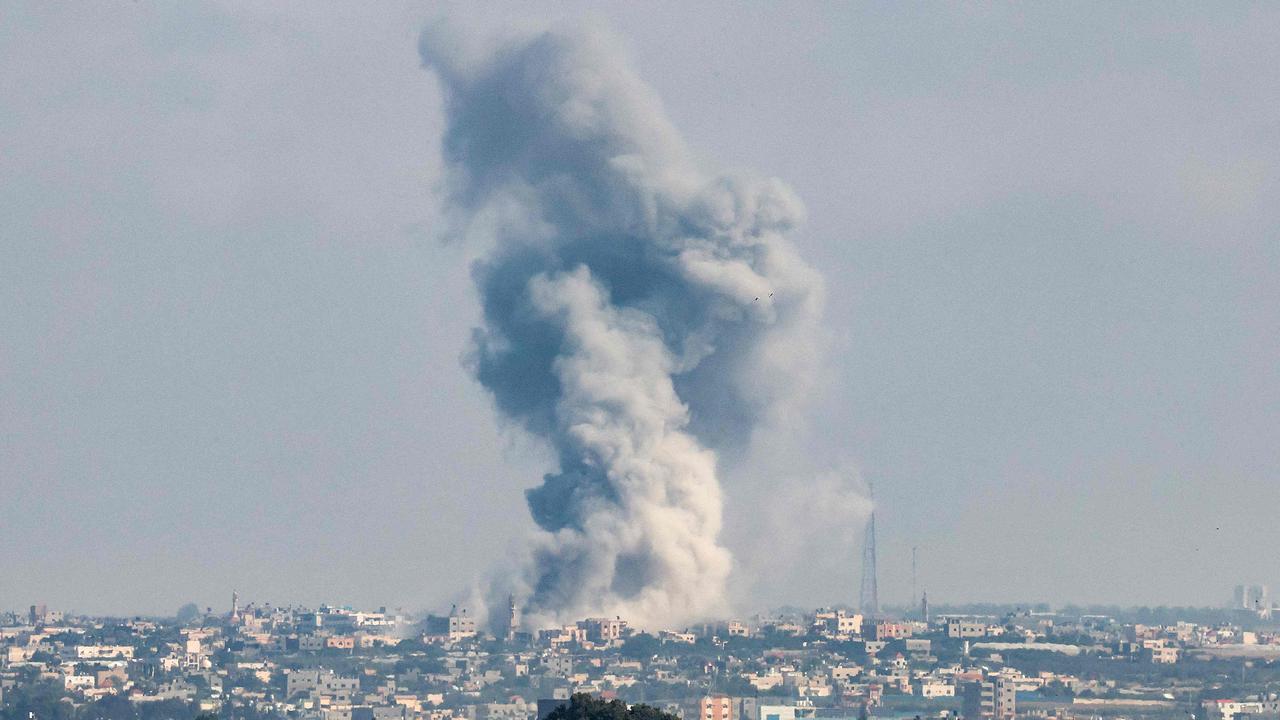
[230,329]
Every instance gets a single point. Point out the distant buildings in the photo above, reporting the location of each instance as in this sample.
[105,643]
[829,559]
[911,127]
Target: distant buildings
[838,623]
[315,684]
[715,707]
[889,630]
[781,712]
[1228,709]
[1160,651]
[961,629]
[340,663]
[102,652]
[41,615]
[455,626]
[603,630]
[993,699]
[1254,598]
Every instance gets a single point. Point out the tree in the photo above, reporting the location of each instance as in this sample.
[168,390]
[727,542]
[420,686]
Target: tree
[42,700]
[585,707]
[187,613]
[641,646]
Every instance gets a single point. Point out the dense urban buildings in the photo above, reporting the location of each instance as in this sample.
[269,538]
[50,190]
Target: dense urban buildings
[340,663]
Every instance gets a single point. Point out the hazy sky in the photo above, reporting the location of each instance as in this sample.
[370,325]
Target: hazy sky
[230,329]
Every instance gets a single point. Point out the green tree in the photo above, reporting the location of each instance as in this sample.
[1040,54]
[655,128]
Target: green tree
[187,613]
[641,646]
[42,700]
[585,707]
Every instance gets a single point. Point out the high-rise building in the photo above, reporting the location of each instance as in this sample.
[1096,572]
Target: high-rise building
[1254,598]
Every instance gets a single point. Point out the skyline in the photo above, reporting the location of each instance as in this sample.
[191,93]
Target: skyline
[1232,608]
[332,663]
[230,355]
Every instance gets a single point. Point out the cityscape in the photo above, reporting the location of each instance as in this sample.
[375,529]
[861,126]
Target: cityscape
[255,660]
[614,360]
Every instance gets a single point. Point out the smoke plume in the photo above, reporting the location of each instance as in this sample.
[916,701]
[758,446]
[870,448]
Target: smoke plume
[640,314]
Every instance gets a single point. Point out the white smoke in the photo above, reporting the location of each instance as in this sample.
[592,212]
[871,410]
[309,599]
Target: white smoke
[639,315]
[803,535]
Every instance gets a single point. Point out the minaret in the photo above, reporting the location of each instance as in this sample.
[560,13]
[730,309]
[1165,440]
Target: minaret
[513,618]
[235,607]
[924,606]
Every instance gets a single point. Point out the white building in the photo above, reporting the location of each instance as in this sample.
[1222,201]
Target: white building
[100,652]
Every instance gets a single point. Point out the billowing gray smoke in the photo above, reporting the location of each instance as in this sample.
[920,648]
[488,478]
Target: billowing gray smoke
[639,313]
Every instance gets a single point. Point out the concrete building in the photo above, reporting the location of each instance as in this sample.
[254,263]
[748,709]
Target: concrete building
[340,642]
[777,712]
[959,628]
[379,712]
[918,646]
[546,706]
[886,630]
[932,688]
[321,683]
[1254,598]
[603,630]
[455,626]
[517,709]
[838,622]
[558,665]
[102,652]
[1230,709]
[715,707]
[1159,651]
[994,699]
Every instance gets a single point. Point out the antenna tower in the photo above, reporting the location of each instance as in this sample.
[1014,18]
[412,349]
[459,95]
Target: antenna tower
[913,577]
[869,598]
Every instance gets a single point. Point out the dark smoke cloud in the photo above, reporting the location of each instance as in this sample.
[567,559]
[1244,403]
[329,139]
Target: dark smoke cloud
[640,314]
